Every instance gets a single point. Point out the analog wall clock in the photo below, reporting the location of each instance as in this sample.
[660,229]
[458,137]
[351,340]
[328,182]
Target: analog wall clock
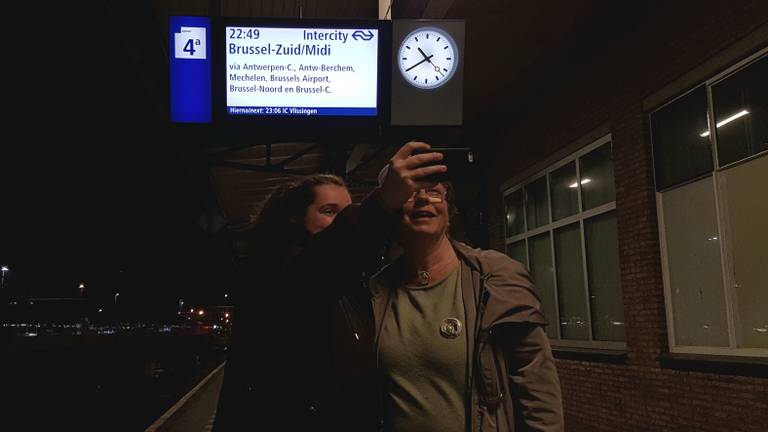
[428,57]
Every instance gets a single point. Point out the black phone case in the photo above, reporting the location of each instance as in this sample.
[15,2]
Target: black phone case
[460,162]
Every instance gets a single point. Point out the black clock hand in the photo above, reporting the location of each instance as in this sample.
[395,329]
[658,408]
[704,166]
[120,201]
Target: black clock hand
[437,68]
[425,59]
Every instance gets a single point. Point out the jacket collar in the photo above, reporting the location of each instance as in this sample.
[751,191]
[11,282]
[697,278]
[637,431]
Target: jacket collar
[466,254]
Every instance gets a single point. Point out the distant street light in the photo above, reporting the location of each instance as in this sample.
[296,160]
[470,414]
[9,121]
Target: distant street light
[82,289]
[2,284]
[116,294]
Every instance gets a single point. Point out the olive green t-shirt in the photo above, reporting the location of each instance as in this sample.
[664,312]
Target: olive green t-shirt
[424,366]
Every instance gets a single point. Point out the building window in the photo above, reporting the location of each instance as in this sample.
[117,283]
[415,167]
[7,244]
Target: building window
[561,224]
[710,149]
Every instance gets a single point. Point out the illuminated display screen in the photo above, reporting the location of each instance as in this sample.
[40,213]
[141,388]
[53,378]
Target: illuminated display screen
[277,71]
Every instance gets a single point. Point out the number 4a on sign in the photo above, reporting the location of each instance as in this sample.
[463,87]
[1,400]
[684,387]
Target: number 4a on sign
[189,43]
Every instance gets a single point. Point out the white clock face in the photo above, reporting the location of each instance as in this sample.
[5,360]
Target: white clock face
[428,58]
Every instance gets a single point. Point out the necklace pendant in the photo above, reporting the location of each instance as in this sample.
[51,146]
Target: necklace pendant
[423,277]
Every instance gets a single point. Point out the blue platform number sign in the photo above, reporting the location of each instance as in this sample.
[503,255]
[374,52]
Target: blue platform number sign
[190,69]
[190,43]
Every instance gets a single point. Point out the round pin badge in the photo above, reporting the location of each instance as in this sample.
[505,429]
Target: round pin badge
[451,328]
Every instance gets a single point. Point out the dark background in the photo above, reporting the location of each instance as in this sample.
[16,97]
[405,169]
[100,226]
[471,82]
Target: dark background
[92,191]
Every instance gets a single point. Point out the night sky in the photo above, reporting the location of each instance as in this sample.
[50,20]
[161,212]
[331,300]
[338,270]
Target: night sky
[93,188]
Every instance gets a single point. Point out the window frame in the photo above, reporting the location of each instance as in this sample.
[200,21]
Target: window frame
[723,224]
[550,227]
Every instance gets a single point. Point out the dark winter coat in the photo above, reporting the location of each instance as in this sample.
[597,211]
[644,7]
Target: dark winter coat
[301,354]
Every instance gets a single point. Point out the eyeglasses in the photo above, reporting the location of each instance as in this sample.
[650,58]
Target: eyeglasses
[433,195]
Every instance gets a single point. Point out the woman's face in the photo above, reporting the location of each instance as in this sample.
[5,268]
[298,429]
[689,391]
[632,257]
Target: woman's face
[425,214]
[330,199]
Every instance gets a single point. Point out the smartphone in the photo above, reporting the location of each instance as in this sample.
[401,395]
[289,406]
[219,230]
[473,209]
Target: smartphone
[461,163]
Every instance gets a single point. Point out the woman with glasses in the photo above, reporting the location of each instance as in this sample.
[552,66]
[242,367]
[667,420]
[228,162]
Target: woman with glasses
[459,333]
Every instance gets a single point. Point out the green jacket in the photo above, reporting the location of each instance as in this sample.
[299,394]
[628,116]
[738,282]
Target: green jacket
[514,384]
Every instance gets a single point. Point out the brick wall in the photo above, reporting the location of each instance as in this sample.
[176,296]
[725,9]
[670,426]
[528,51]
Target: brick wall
[655,51]
[606,397]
